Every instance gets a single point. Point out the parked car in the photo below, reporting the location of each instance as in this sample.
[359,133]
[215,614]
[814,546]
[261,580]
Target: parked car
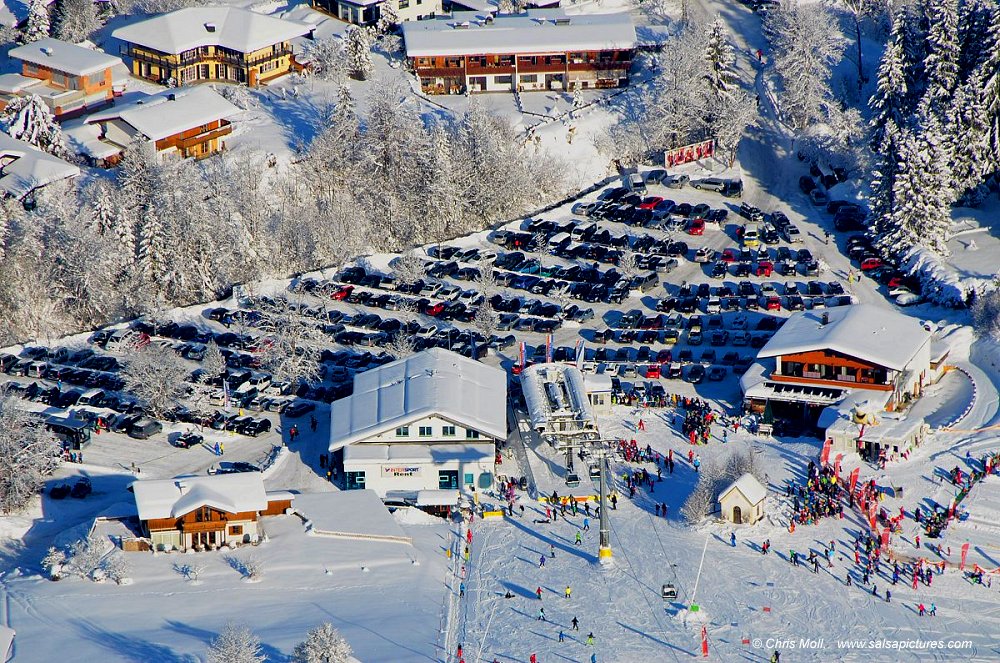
[298,409]
[81,488]
[144,428]
[188,440]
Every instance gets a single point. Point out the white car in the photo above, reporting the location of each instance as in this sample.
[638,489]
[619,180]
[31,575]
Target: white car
[909,299]
[471,298]
[792,234]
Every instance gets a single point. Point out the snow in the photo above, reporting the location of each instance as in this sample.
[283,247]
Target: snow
[173,498]
[170,112]
[349,513]
[536,31]
[62,56]
[184,29]
[864,331]
[30,168]
[432,382]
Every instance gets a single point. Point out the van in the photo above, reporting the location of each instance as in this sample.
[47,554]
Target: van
[645,282]
[751,236]
[635,183]
[581,230]
[145,428]
[92,397]
[559,241]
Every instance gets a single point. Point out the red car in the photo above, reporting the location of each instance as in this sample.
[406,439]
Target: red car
[696,227]
[870,263]
[664,356]
[434,309]
[764,268]
[729,255]
[653,372]
[773,303]
[650,202]
[343,293]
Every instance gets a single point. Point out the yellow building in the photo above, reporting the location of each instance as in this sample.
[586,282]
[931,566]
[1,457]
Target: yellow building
[225,44]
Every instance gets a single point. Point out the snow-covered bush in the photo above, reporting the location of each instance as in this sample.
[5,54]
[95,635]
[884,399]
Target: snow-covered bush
[85,557]
[238,95]
[938,283]
[236,644]
[324,644]
[28,454]
[53,562]
[409,267]
[116,568]
[486,320]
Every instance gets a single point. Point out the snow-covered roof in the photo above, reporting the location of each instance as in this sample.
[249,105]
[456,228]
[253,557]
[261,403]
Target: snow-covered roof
[11,83]
[597,382]
[865,331]
[172,498]
[357,512]
[170,112]
[30,168]
[432,382]
[796,393]
[193,27]
[749,487]
[63,56]
[556,392]
[533,32]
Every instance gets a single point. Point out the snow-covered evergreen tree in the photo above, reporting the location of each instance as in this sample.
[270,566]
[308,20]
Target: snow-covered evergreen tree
[76,20]
[324,644]
[27,118]
[720,58]
[942,60]
[890,101]
[37,24]
[733,115]
[236,644]
[967,141]
[359,53]
[28,455]
[988,74]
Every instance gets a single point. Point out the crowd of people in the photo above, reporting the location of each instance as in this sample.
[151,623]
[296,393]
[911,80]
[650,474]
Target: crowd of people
[818,498]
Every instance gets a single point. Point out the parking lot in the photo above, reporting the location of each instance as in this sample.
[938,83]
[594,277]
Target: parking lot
[668,288]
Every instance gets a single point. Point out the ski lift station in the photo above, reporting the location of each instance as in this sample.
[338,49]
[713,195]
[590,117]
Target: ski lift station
[559,406]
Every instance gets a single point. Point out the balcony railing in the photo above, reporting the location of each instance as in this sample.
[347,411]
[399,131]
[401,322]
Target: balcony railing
[205,526]
[187,60]
[204,137]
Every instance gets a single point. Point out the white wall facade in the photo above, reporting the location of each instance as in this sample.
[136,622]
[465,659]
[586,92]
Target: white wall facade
[459,472]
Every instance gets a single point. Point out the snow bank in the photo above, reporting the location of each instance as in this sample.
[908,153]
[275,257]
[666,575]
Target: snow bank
[415,517]
[939,283]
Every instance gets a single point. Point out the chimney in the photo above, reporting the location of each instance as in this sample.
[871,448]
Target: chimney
[171,97]
[826,318]
[47,51]
[210,27]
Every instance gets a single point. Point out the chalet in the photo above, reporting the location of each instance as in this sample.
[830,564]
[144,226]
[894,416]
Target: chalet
[368,12]
[24,168]
[430,421]
[70,79]
[540,49]
[205,512]
[818,358]
[224,44]
[181,122]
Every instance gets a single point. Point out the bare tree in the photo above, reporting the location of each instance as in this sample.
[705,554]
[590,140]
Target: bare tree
[486,282]
[190,572]
[28,454]
[236,644]
[628,263]
[486,320]
[859,9]
[85,555]
[701,500]
[409,267]
[291,347]
[402,345]
[156,375]
[213,363]
[324,644]
[53,562]
[116,568]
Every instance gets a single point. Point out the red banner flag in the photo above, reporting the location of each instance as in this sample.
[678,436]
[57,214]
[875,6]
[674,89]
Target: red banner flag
[520,356]
[824,456]
[704,641]
[885,538]
[965,551]
[855,473]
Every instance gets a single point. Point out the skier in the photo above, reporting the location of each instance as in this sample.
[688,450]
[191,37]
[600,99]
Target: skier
[776,657]
[313,423]
[533,659]
[593,657]
[586,524]
[461,590]
[874,590]
[541,615]
[538,593]
[576,624]
[562,638]
[579,538]
[569,591]
[920,609]
[590,638]
[614,502]
[552,551]
[468,536]
[888,596]
[459,652]
[933,612]
[541,562]
[848,578]
[732,539]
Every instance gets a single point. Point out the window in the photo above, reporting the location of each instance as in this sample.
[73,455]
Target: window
[447,431]
[403,4]
[447,479]
[203,515]
[236,530]
[403,431]
[426,431]
[529,78]
[504,80]
[355,481]
[471,434]
[470,479]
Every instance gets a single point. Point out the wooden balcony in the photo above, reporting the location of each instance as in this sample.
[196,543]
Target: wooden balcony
[204,526]
[843,384]
[440,72]
[185,143]
[489,70]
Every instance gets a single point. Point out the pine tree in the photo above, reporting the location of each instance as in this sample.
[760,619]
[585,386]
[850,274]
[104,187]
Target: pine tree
[941,63]
[37,25]
[388,17]
[913,30]
[988,74]
[76,20]
[323,645]
[29,119]
[967,140]
[881,201]
[889,103]
[101,207]
[720,58]
[236,644]
[359,53]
